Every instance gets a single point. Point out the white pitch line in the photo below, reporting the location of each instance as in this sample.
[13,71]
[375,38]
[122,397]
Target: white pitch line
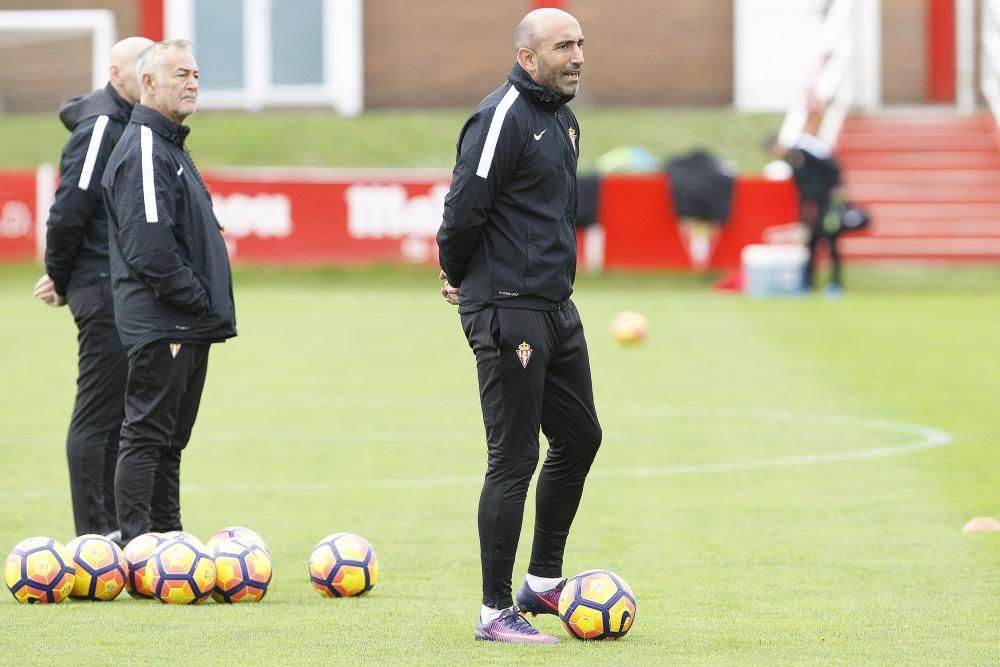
[927,438]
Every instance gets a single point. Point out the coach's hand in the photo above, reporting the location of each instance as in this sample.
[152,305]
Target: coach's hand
[449,293]
[45,289]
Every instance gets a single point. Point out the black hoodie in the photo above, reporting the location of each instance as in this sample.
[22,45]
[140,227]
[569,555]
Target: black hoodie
[508,237]
[76,252]
[170,273]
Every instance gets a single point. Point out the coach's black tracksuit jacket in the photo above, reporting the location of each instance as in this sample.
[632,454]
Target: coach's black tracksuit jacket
[508,235]
[170,271]
[77,236]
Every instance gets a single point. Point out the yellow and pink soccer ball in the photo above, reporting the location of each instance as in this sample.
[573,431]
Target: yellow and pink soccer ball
[343,565]
[242,571]
[137,554]
[180,572]
[597,604]
[629,327]
[245,535]
[100,568]
[39,570]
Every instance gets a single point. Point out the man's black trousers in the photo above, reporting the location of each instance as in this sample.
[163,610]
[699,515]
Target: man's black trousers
[534,372]
[164,387]
[92,441]
[817,233]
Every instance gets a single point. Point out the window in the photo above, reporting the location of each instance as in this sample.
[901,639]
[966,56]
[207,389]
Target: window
[257,53]
[297,43]
[218,39]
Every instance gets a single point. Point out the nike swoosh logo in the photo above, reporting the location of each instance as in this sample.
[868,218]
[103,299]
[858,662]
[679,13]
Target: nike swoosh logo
[539,135]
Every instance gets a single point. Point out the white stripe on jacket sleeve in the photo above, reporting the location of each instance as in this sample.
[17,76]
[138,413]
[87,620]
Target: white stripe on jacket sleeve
[92,150]
[148,183]
[493,134]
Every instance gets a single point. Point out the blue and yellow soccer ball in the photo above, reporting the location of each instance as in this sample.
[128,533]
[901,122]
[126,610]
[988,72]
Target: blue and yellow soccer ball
[242,571]
[180,572]
[343,565]
[137,554]
[185,536]
[39,569]
[245,535]
[100,568]
[597,604]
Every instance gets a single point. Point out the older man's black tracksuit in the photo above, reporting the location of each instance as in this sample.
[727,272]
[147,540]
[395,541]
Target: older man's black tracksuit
[173,297]
[508,241]
[76,258]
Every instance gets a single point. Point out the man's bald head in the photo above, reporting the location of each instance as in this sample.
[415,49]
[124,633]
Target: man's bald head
[536,23]
[124,56]
[548,45]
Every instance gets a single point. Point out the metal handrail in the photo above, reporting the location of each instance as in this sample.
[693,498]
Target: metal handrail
[830,87]
[989,60]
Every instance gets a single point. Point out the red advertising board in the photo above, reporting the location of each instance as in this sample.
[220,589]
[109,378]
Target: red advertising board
[314,216]
[642,231]
[320,216]
[17,216]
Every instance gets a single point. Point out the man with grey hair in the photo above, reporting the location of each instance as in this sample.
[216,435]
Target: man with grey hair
[171,283]
[77,272]
[508,258]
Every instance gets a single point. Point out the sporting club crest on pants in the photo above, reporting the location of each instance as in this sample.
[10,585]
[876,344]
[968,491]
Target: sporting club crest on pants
[524,353]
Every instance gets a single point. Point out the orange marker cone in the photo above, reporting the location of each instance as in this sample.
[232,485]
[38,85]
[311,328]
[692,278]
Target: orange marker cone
[982,524]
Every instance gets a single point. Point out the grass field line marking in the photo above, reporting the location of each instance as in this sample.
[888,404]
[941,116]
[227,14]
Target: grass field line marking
[927,437]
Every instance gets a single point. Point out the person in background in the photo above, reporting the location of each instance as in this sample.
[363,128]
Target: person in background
[818,177]
[77,272]
[172,287]
[507,247]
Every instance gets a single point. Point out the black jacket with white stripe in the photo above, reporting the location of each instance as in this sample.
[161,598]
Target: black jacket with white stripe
[76,241]
[508,237]
[170,271]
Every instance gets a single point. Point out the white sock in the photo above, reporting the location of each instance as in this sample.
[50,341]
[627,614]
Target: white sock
[488,614]
[542,584]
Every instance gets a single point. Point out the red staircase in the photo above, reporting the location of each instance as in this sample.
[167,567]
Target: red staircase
[930,182]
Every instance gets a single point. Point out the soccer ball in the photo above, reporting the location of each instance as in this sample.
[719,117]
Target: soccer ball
[39,569]
[343,565]
[100,568]
[245,535]
[184,536]
[629,327]
[242,571]
[137,554]
[597,604]
[180,572]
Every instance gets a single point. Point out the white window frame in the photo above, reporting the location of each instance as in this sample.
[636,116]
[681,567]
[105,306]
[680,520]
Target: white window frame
[343,59]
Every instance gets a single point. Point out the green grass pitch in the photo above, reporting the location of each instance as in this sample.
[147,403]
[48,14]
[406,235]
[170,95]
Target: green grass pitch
[782,481]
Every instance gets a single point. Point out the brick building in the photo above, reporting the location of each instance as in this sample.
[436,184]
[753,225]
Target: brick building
[444,53]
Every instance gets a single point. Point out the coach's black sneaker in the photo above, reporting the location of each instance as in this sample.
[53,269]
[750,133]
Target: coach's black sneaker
[546,602]
[511,627]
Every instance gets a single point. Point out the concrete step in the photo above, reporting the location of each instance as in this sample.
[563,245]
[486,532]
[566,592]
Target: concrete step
[892,123]
[984,159]
[901,227]
[916,141]
[923,193]
[923,177]
[931,182]
[946,212]
[963,248]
